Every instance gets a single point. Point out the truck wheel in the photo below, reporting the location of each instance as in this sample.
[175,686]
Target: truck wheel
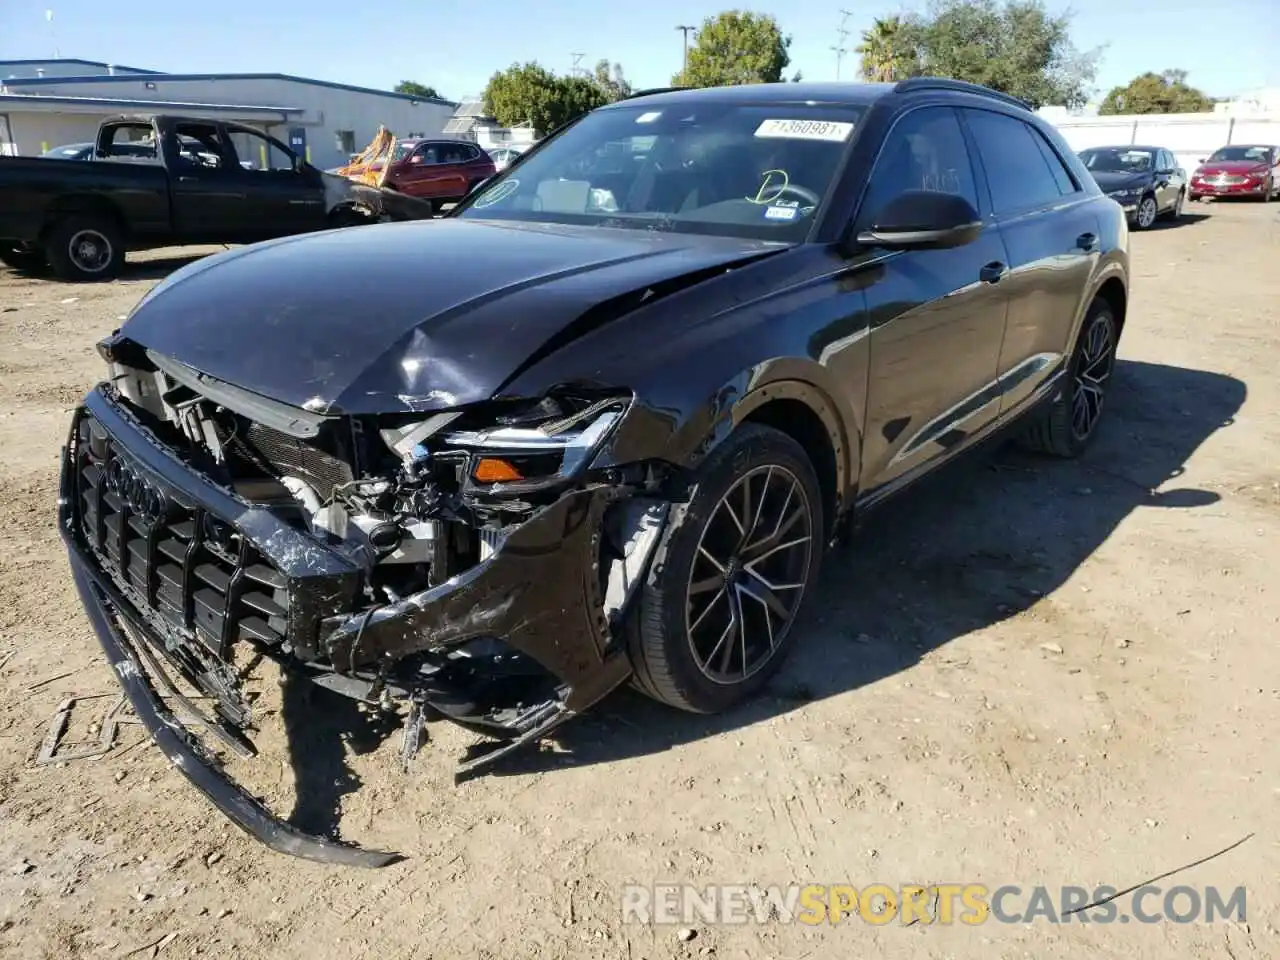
[21,256]
[85,247]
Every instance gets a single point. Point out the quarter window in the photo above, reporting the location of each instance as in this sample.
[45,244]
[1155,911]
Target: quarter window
[925,150]
[1023,172]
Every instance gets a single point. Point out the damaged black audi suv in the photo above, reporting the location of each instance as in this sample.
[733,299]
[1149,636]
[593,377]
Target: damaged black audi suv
[596,425]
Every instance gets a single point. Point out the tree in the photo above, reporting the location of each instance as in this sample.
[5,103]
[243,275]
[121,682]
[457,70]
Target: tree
[609,78]
[734,48]
[1016,48]
[530,93]
[1166,92]
[415,89]
[889,51]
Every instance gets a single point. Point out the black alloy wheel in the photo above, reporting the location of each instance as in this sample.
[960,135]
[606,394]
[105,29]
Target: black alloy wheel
[1069,424]
[733,569]
[1092,369]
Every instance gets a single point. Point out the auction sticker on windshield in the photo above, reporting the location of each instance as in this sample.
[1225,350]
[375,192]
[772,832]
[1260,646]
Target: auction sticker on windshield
[834,131]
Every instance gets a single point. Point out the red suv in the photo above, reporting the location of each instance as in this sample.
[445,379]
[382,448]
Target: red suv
[442,171]
[1246,170]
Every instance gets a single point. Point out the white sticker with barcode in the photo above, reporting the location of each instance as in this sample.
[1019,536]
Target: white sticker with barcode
[833,131]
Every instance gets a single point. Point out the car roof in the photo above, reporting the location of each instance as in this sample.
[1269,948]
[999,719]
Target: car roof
[861,94]
[1124,146]
[814,92]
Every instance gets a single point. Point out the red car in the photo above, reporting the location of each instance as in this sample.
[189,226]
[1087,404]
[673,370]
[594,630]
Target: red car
[442,171]
[1244,170]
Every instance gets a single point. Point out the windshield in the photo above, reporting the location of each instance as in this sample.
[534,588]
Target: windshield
[1117,161]
[1256,154]
[756,171]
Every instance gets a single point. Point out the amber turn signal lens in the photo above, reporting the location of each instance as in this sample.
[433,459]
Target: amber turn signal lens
[492,470]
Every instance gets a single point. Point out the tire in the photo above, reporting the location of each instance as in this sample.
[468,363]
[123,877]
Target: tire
[70,259]
[1174,213]
[757,465]
[1146,213]
[1054,431]
[19,257]
[1196,198]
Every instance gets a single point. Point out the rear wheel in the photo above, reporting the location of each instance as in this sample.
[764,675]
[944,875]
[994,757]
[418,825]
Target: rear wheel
[21,256]
[1067,427]
[85,247]
[715,619]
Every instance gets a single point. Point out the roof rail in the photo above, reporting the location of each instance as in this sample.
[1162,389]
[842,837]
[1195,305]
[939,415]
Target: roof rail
[653,90]
[912,84]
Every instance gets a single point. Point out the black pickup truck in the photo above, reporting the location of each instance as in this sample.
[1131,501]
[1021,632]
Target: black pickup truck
[158,181]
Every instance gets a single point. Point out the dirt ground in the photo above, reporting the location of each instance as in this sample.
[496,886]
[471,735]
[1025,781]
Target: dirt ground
[1032,673]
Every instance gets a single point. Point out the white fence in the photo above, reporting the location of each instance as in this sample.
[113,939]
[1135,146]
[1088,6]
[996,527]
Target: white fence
[1191,136]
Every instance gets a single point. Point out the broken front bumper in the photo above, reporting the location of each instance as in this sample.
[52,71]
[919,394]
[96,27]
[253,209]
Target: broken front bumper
[240,574]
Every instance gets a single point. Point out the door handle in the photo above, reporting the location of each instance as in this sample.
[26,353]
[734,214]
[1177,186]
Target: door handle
[993,272]
[1087,241]
[188,179]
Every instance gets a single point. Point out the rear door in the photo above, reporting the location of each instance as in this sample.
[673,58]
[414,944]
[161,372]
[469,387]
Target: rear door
[937,317]
[209,200]
[284,195]
[1052,235]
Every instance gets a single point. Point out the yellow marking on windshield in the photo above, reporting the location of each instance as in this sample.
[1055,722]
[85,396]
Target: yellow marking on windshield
[760,197]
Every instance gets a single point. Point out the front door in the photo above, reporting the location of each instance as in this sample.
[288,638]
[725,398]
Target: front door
[937,317]
[1053,237]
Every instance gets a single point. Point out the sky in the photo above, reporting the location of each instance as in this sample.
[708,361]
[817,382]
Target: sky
[1227,46]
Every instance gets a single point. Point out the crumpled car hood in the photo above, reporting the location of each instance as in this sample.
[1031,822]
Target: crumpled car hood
[404,316]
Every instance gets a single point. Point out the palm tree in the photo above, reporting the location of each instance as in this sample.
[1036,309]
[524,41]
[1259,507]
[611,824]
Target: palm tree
[888,51]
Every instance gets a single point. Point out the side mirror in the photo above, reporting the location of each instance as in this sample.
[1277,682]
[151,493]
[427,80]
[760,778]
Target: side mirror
[923,219]
[1202,160]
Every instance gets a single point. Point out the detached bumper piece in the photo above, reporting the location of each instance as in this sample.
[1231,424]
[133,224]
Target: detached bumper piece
[178,575]
[185,753]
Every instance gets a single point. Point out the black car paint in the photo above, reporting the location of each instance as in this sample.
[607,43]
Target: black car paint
[860,344]
[157,203]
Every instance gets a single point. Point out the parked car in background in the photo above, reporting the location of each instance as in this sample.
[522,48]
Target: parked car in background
[85,151]
[70,151]
[440,171]
[435,463]
[1240,170]
[503,157]
[1146,181]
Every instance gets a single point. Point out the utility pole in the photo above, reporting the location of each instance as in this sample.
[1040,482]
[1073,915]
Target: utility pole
[686,30]
[842,35]
[576,70]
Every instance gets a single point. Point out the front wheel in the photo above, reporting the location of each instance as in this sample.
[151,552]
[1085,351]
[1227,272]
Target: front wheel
[1067,427]
[85,247]
[1147,211]
[715,617]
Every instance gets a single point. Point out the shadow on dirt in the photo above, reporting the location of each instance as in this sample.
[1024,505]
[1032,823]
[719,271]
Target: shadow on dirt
[320,727]
[159,269]
[1187,219]
[981,541]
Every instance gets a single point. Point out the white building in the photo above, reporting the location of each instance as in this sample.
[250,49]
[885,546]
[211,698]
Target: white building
[46,103]
[470,122]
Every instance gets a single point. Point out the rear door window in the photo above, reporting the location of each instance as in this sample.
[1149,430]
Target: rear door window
[1023,172]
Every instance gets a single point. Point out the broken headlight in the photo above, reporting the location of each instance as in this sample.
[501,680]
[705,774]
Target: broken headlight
[543,446]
